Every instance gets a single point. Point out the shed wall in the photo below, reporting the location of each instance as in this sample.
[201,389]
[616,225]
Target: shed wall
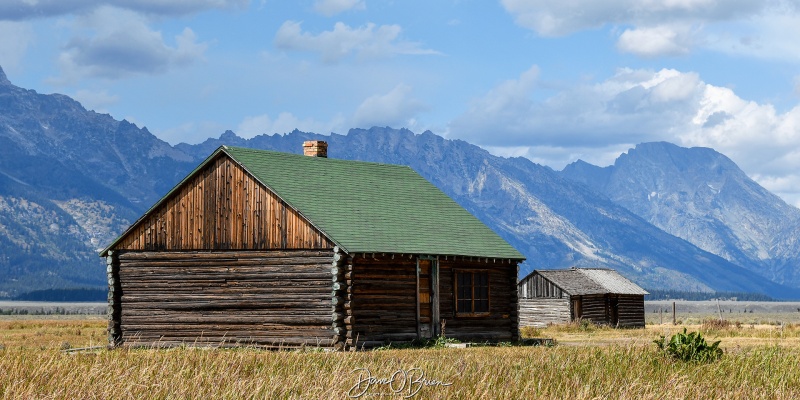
[539,312]
[593,307]
[631,311]
[273,298]
[600,310]
[535,285]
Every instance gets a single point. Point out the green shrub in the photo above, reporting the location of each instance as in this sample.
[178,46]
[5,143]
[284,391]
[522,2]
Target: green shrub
[442,342]
[689,347]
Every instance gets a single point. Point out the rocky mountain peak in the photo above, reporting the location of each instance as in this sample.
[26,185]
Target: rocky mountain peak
[228,136]
[3,79]
[683,159]
[703,197]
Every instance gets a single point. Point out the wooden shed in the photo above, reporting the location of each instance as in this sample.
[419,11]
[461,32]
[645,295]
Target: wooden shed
[600,295]
[271,249]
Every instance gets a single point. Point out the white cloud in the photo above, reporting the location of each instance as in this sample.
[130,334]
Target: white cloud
[657,28]
[330,8]
[95,100]
[630,107]
[772,35]
[635,106]
[556,18]
[16,37]
[285,123]
[655,41]
[16,10]
[114,43]
[367,42]
[395,108]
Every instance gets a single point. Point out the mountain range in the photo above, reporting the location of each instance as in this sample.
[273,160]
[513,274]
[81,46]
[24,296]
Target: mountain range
[71,180]
[703,197]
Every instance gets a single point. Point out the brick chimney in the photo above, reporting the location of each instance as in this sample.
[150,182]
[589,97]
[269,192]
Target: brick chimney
[315,148]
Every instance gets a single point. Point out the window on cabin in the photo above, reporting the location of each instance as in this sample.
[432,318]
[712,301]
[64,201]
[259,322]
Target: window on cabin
[472,292]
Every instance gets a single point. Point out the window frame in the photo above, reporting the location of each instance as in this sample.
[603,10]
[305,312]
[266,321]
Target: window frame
[472,312]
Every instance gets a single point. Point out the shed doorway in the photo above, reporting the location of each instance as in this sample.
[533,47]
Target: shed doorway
[427,298]
[577,308]
[614,311]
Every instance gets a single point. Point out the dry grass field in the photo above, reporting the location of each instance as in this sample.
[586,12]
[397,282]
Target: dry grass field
[589,362]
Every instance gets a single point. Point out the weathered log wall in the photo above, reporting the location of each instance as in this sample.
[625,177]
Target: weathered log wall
[381,300]
[631,311]
[341,322]
[600,309]
[223,207]
[502,322]
[593,308]
[272,298]
[114,299]
[381,303]
[539,312]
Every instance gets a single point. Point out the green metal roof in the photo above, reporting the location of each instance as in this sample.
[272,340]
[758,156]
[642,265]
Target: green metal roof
[373,208]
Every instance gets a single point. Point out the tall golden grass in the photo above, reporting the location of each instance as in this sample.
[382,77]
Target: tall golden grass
[624,370]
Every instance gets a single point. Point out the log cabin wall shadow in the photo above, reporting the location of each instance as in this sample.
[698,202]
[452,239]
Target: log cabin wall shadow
[276,250]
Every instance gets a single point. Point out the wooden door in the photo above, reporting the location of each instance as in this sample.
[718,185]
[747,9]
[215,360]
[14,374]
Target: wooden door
[577,312]
[614,308]
[427,298]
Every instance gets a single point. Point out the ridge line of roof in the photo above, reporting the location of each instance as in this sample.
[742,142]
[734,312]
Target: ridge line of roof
[326,159]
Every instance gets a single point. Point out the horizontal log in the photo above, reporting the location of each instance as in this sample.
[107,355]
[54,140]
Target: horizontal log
[226,341]
[176,296]
[274,263]
[220,268]
[226,254]
[226,304]
[252,321]
[213,286]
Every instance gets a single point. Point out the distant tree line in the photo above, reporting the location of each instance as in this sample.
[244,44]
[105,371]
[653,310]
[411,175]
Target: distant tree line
[49,311]
[65,295]
[657,294]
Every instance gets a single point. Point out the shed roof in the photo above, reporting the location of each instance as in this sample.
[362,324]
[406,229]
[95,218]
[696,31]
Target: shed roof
[368,207]
[585,281]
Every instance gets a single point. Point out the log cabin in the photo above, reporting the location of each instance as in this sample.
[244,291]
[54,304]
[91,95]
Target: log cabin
[268,249]
[600,295]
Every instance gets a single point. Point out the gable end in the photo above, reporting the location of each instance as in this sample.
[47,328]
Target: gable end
[222,206]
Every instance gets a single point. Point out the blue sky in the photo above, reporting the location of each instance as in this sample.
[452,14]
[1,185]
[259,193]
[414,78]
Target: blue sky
[553,81]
